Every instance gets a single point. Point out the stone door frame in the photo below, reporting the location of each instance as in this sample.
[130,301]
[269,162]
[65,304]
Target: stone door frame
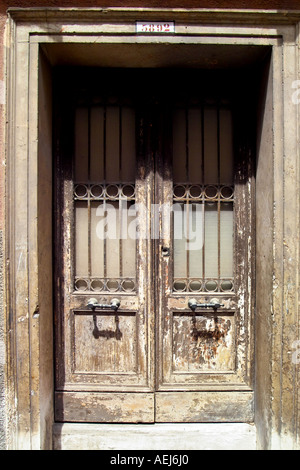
[28,242]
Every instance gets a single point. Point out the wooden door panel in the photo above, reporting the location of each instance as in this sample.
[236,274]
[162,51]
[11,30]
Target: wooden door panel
[111,340]
[105,350]
[95,407]
[203,343]
[203,348]
[206,406]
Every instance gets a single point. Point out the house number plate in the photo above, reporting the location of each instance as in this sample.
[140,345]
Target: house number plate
[155,27]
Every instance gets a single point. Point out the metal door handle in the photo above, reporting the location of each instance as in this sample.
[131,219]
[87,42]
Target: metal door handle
[193,305]
[114,305]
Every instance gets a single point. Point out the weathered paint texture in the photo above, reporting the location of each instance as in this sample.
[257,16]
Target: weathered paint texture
[2,354]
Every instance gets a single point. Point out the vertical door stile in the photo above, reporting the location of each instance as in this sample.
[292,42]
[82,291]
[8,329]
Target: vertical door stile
[244,242]
[202,181]
[145,264]
[164,245]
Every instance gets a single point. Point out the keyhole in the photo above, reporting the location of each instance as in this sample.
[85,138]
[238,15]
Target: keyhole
[165,251]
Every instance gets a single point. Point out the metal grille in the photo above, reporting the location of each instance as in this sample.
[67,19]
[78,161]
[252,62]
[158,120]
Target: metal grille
[104,194]
[203,215]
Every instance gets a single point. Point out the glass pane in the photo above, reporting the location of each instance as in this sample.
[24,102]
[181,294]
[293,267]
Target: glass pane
[112,144]
[113,237]
[226,147]
[211,240]
[179,146]
[97,144]
[180,261]
[203,178]
[195,146]
[81,239]
[195,245]
[81,144]
[129,241]
[105,232]
[128,145]
[210,146]
[226,240]
[112,240]
[97,239]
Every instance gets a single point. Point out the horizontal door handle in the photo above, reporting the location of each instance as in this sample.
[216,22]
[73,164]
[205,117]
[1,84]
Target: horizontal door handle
[193,305]
[114,305]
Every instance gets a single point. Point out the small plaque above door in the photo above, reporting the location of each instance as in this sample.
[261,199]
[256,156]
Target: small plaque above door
[155,27]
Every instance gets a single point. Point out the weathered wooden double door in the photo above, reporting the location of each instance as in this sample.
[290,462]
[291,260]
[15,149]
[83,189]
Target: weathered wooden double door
[153,233]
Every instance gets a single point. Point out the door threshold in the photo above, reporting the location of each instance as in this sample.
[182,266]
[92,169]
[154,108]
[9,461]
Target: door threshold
[175,436]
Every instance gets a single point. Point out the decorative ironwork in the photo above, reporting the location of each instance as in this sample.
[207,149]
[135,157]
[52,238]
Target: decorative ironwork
[102,192]
[199,193]
[104,285]
[207,285]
